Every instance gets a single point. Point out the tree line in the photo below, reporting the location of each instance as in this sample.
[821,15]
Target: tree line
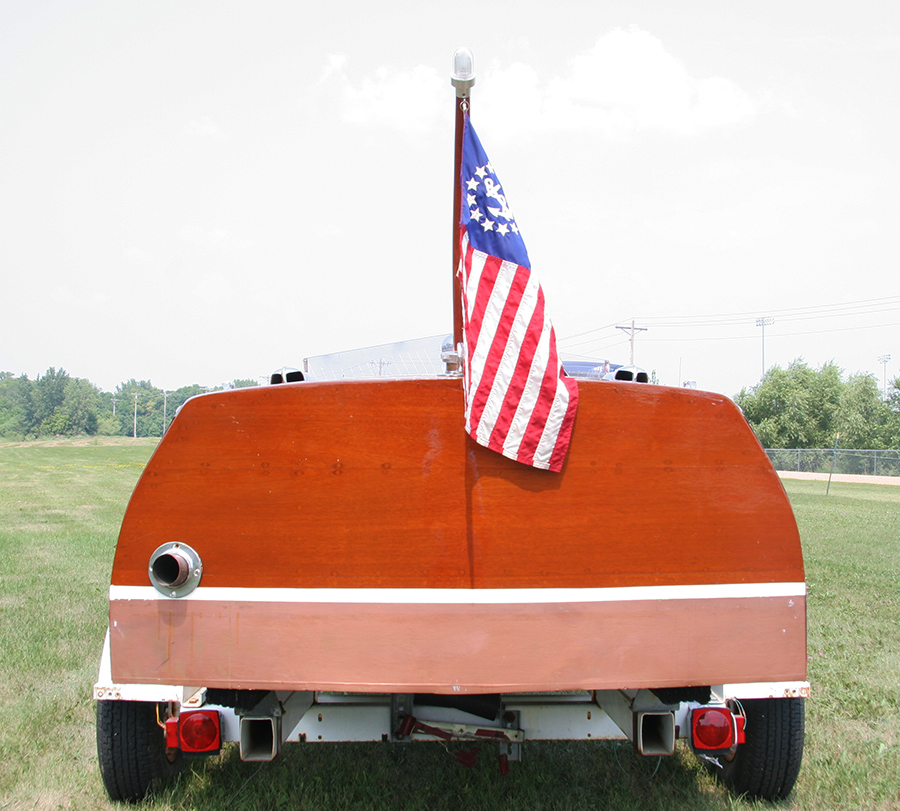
[57,404]
[796,407]
[802,407]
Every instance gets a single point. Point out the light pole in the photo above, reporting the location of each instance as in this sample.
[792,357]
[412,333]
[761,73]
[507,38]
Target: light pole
[884,360]
[764,322]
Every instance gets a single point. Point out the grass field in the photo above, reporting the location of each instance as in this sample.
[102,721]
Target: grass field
[60,508]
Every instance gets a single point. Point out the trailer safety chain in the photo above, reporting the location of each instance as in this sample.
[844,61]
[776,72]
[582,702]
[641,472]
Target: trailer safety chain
[409,725]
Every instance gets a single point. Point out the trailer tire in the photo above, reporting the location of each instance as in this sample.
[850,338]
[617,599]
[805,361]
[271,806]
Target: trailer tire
[766,765]
[131,749]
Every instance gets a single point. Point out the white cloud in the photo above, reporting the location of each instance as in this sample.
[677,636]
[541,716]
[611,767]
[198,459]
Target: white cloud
[94,300]
[136,255]
[719,102]
[212,237]
[407,100]
[627,82]
[203,127]
[333,65]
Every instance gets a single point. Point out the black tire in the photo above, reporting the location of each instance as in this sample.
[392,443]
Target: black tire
[767,764]
[131,748]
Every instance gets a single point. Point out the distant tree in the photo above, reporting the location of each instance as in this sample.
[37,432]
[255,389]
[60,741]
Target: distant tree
[800,407]
[139,406]
[48,394]
[109,425]
[56,403]
[864,416]
[16,406]
[827,385]
[176,399]
[150,402]
[783,408]
[81,404]
[892,432]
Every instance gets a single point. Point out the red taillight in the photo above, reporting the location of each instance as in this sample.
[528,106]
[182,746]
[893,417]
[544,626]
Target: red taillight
[198,731]
[713,728]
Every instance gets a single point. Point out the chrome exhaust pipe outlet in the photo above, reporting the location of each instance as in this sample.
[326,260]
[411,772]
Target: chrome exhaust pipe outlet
[175,569]
[655,733]
[260,738]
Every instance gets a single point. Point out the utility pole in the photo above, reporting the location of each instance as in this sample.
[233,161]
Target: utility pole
[764,322]
[165,397]
[381,364]
[135,394]
[114,401]
[884,360]
[632,329]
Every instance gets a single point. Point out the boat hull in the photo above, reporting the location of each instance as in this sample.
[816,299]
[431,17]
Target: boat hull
[354,538]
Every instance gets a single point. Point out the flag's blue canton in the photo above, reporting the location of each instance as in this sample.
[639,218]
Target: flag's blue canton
[485,212]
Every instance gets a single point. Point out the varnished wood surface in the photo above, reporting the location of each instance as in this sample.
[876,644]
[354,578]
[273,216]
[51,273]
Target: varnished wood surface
[375,484]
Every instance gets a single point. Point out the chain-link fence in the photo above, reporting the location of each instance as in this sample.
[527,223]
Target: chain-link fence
[845,460]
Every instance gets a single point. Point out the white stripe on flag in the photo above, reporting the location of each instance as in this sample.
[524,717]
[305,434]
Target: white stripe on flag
[474,278]
[547,445]
[497,403]
[493,315]
[530,394]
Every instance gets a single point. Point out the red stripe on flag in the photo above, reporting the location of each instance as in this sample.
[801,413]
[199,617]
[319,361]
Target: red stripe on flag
[538,422]
[498,346]
[482,294]
[520,375]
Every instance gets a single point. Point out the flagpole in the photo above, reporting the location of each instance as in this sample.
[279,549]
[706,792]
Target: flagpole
[462,78]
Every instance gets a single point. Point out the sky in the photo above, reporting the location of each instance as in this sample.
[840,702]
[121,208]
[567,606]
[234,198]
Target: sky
[193,192]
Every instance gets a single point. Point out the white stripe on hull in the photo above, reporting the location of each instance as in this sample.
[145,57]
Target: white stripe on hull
[393,596]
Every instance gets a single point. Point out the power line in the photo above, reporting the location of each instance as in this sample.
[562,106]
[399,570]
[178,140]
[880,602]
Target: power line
[734,321]
[812,310]
[777,335]
[838,310]
[588,332]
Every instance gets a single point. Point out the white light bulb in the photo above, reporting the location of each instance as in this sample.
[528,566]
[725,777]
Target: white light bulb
[463,65]
[463,75]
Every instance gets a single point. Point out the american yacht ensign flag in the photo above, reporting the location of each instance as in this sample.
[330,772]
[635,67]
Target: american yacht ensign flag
[519,401]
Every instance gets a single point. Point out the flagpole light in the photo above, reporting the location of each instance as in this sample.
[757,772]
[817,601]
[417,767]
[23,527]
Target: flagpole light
[463,74]
[462,77]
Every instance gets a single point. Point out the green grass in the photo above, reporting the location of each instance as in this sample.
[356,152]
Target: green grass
[60,508]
